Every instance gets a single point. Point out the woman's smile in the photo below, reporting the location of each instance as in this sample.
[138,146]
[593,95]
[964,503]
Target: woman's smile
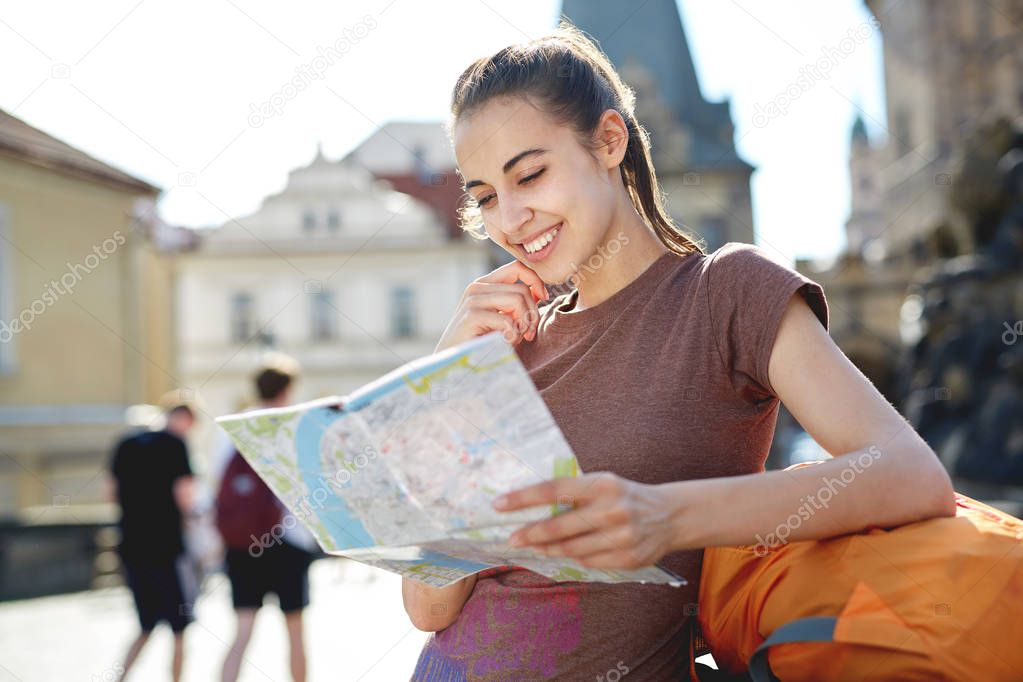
[536,255]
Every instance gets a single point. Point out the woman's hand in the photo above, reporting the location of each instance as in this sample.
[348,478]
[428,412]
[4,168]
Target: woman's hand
[498,301]
[614,523]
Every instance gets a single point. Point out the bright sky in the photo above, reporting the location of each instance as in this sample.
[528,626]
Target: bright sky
[165,90]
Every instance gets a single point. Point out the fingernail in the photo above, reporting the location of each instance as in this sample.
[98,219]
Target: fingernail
[516,541]
[501,502]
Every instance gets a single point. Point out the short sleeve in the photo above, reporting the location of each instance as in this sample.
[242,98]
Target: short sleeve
[178,460]
[747,294]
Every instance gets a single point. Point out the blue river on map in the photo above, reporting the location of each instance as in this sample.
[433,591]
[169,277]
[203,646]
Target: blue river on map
[345,528]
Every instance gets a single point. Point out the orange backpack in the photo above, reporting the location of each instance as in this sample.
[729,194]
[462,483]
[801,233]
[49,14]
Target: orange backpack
[940,599]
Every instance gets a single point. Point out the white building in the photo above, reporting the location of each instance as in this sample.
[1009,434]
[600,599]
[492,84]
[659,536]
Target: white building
[339,270]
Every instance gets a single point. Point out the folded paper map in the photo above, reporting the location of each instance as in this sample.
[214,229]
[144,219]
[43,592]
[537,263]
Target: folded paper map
[401,473]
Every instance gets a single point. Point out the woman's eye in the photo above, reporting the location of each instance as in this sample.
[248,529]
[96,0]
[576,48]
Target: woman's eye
[530,178]
[482,203]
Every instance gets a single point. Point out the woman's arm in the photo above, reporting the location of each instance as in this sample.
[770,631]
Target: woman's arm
[884,474]
[434,608]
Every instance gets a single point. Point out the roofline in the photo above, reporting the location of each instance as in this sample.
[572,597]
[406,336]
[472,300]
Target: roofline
[79,172]
[103,172]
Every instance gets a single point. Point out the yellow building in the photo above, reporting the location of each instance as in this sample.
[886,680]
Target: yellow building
[84,317]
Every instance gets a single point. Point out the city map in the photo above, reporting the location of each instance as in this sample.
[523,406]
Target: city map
[401,473]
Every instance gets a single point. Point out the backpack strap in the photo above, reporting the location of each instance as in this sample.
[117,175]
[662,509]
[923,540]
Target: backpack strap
[813,629]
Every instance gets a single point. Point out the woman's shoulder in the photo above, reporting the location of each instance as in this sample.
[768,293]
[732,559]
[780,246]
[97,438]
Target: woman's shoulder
[745,266]
[732,254]
[758,279]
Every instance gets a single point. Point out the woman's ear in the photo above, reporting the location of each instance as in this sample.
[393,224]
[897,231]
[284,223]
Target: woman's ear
[612,138]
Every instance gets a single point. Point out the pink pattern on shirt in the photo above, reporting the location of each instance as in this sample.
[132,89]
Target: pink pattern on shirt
[505,628]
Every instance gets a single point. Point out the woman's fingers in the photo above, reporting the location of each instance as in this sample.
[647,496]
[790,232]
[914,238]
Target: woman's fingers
[509,273]
[588,544]
[484,321]
[569,490]
[503,300]
[508,299]
[586,519]
[617,559]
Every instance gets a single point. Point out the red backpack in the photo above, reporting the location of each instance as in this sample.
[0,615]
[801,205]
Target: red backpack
[247,510]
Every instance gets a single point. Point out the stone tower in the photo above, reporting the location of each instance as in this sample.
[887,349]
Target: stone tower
[864,224]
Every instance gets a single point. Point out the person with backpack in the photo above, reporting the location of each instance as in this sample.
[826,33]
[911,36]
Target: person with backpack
[264,552]
[151,481]
[663,366]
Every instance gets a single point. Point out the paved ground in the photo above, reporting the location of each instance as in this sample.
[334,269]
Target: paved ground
[357,630]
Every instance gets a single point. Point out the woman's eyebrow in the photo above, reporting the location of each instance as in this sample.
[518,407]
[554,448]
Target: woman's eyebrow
[510,163]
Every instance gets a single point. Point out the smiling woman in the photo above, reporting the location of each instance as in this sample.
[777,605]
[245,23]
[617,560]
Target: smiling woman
[663,366]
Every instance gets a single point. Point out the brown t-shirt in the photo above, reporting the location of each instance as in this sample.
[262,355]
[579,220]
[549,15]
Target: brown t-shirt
[666,380]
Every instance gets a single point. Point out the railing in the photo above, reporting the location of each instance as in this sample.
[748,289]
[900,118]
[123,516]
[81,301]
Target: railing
[56,550]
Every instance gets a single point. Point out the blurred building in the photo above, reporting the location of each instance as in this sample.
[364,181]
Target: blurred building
[706,182]
[417,158]
[925,299]
[948,67]
[85,333]
[85,314]
[340,269]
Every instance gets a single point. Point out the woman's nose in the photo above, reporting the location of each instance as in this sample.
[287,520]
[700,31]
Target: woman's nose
[513,216]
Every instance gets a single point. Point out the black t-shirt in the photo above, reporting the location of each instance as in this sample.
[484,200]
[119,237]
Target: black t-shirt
[146,466]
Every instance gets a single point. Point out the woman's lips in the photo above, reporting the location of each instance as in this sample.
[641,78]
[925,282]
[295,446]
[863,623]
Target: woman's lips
[538,256]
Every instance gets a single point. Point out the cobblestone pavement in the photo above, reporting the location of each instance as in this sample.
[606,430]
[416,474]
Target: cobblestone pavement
[356,629]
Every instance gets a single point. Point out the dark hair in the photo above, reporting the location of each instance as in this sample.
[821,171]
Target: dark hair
[179,409]
[276,375]
[565,75]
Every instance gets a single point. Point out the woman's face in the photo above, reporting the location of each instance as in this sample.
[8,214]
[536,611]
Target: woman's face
[532,180]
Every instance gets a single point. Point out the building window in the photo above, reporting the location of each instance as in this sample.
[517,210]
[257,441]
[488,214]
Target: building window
[421,167]
[323,316]
[243,318]
[403,314]
[7,333]
[308,221]
[333,220]
[902,133]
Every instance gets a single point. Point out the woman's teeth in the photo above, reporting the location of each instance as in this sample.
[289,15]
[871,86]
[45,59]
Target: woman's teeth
[540,242]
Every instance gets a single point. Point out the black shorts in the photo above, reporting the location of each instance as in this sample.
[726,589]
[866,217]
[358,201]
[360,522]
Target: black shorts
[281,568]
[162,591]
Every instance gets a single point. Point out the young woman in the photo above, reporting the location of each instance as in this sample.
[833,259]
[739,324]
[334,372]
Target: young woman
[664,367]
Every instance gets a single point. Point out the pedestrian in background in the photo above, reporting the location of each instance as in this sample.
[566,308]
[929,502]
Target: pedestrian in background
[151,481]
[264,554]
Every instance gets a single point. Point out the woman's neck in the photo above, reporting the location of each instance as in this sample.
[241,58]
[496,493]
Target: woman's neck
[622,257]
